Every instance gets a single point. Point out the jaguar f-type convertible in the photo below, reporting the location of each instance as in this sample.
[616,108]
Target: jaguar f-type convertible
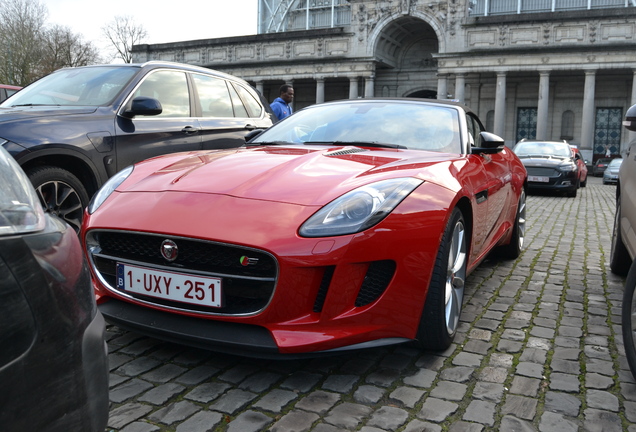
[349,224]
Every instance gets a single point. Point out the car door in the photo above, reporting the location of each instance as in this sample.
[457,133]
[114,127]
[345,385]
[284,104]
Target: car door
[627,179]
[497,190]
[224,118]
[176,129]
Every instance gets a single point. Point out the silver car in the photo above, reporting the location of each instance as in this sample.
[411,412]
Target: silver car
[624,241]
[610,175]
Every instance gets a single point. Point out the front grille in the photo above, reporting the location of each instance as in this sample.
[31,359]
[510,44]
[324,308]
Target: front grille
[542,172]
[246,289]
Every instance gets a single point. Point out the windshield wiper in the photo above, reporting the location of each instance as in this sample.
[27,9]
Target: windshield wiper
[357,143]
[32,104]
[266,143]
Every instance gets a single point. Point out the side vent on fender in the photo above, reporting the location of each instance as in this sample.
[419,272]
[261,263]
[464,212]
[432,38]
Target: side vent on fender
[324,287]
[375,282]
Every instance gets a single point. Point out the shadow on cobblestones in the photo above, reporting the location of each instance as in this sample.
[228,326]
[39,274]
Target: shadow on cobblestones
[539,349]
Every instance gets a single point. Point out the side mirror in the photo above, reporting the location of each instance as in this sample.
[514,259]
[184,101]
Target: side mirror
[490,143]
[143,106]
[630,119]
[253,134]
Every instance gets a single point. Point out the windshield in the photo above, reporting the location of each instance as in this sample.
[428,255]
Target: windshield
[90,86]
[615,163]
[398,124]
[556,149]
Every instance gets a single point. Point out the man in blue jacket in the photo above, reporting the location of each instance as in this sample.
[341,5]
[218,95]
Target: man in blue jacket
[281,106]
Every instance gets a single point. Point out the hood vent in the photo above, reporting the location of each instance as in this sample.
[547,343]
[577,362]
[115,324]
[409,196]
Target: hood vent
[346,151]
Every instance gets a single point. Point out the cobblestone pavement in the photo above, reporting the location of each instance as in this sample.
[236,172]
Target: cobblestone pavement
[539,349]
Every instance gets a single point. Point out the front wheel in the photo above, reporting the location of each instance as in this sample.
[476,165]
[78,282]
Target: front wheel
[628,316]
[60,193]
[443,305]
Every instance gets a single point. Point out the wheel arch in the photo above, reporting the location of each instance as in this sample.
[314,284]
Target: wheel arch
[467,211]
[76,165]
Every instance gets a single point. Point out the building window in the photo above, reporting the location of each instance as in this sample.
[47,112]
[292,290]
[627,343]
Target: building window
[526,123]
[607,131]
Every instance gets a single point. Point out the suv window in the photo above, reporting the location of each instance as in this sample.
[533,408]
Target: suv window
[239,109]
[171,89]
[214,96]
[255,109]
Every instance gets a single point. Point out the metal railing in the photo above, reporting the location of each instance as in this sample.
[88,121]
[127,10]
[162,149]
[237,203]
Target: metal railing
[286,15]
[509,7]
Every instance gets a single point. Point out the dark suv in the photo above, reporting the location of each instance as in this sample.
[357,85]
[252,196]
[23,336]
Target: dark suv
[75,128]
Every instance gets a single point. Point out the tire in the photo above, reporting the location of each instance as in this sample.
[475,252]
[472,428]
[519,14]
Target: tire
[572,193]
[628,315]
[620,261]
[60,193]
[442,308]
[513,249]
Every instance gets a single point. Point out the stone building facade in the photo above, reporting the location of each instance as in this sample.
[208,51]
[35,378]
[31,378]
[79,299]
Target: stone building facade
[545,69]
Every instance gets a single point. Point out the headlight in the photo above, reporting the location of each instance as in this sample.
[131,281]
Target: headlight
[108,189]
[359,209]
[20,208]
[567,167]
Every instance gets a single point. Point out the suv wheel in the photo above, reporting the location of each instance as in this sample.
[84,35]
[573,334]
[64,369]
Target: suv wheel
[61,193]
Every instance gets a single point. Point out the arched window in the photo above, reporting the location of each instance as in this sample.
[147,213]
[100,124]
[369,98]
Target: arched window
[567,125]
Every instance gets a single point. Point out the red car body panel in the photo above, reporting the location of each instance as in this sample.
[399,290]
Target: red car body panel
[259,197]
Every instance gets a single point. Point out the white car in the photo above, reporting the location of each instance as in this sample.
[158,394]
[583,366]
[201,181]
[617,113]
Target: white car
[624,240]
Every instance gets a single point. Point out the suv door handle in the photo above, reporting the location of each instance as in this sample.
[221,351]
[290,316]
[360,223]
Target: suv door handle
[189,130]
[250,127]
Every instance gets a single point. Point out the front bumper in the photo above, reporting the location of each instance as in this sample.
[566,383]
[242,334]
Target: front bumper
[327,294]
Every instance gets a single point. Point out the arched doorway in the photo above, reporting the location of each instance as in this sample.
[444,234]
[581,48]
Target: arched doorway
[404,58]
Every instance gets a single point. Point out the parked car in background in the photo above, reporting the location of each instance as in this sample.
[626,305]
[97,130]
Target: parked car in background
[75,128]
[582,164]
[623,249]
[551,166]
[600,166]
[610,175]
[349,224]
[53,361]
[7,90]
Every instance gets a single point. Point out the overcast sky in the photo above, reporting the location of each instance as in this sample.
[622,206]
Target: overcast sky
[164,20]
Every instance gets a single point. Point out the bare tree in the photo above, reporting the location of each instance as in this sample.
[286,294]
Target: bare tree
[63,48]
[123,33]
[21,27]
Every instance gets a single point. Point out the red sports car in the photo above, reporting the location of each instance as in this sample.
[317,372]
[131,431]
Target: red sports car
[349,224]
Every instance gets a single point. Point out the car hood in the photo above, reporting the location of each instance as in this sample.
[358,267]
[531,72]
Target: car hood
[301,175]
[8,114]
[543,161]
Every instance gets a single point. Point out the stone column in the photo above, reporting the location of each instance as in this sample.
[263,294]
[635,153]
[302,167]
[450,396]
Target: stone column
[353,88]
[368,87]
[320,90]
[587,125]
[460,87]
[543,105]
[499,127]
[442,87]
[260,87]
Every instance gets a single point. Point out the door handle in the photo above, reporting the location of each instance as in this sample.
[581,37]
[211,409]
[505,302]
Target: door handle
[250,127]
[189,130]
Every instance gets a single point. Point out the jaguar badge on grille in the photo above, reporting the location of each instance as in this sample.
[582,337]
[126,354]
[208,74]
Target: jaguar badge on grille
[169,250]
